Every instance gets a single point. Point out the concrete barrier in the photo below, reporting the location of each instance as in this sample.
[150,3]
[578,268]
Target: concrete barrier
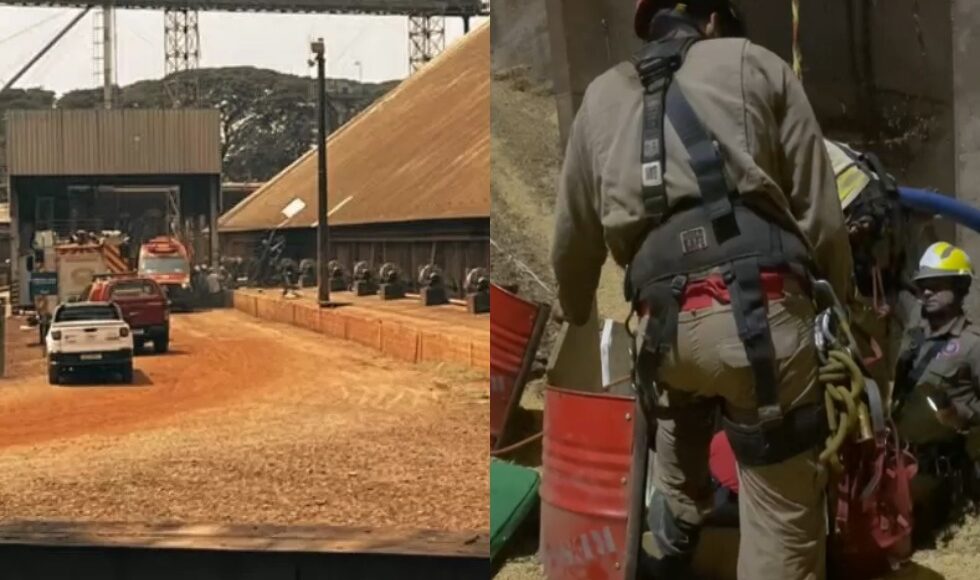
[265,308]
[439,347]
[333,323]
[400,341]
[365,331]
[402,338]
[480,355]
[307,316]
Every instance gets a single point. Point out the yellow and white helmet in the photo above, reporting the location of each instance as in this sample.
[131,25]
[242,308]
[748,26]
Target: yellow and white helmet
[943,259]
[851,177]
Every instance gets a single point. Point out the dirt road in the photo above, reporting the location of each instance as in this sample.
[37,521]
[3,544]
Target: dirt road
[247,422]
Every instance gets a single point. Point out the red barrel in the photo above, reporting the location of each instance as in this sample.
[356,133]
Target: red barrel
[584,488]
[515,332]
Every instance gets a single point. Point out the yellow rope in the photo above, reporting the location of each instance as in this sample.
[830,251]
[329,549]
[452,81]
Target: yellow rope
[797,55]
[844,386]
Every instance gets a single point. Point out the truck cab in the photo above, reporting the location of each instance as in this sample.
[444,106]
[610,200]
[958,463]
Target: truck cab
[167,262]
[144,305]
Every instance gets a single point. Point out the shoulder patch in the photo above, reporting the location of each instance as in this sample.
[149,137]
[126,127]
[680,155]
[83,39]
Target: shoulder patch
[952,348]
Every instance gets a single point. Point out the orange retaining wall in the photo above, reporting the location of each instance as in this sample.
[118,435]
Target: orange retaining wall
[404,338]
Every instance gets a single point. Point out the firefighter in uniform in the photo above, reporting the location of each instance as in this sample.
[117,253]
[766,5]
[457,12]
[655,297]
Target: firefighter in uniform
[701,167]
[936,392]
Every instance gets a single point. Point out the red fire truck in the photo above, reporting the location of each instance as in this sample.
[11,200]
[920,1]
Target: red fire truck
[167,261]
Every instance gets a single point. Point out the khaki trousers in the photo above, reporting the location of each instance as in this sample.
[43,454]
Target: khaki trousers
[782,506]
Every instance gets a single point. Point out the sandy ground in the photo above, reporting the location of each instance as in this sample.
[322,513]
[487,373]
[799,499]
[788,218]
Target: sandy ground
[247,422]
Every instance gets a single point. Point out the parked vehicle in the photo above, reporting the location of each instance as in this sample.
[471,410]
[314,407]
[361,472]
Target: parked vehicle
[86,335]
[144,305]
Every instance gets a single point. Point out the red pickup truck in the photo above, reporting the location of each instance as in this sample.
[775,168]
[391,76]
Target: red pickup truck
[144,306]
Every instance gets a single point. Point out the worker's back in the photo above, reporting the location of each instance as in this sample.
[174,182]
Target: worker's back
[736,89]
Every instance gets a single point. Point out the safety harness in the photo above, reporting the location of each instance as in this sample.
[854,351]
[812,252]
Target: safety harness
[717,231]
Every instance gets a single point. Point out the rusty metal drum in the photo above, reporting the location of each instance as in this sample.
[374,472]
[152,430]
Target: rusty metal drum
[516,325]
[585,484]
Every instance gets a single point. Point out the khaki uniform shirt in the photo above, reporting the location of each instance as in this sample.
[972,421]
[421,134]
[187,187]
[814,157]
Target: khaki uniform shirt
[773,149]
[955,370]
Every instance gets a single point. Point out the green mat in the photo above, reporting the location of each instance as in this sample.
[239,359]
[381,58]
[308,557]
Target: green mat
[513,494]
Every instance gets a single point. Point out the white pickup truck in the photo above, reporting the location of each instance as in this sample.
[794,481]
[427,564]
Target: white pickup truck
[89,335]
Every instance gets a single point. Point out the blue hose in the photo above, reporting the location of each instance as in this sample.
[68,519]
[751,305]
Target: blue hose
[937,203]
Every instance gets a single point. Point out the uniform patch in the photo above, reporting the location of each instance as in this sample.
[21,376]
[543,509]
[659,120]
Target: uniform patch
[952,348]
[694,240]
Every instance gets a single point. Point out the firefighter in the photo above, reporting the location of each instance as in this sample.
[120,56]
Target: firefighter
[288,273]
[886,241]
[701,167]
[936,393]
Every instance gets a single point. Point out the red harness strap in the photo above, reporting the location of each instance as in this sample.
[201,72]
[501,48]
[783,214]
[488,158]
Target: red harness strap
[701,294]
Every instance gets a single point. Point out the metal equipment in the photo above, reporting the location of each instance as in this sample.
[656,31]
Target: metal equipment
[392,287]
[338,276]
[477,286]
[364,282]
[433,286]
[307,273]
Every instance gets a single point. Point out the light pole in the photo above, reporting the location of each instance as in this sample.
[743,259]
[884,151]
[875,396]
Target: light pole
[323,236]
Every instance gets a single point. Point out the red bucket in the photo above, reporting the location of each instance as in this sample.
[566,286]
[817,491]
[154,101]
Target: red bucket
[515,332]
[588,440]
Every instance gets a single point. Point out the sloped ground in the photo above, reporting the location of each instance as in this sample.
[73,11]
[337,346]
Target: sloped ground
[525,164]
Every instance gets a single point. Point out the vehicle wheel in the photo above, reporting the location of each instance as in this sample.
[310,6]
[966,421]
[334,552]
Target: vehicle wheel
[54,376]
[127,374]
[161,345]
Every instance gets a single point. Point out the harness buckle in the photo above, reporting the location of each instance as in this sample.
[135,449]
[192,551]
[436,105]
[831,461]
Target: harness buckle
[770,417]
[654,69]
[677,286]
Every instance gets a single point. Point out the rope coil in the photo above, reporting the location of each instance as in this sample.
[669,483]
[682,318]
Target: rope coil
[844,389]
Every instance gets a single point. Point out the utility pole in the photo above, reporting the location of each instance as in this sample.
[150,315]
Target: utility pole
[323,236]
[108,15]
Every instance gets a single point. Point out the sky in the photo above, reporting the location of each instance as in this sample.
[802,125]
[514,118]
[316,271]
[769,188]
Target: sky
[275,41]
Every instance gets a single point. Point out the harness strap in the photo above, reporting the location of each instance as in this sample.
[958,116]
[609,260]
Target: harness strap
[706,161]
[751,319]
[655,64]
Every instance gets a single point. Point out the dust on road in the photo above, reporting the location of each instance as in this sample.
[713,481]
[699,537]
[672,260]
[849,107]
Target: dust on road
[248,422]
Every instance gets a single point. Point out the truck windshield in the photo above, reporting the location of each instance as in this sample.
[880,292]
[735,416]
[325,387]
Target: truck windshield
[133,289]
[164,266]
[86,313]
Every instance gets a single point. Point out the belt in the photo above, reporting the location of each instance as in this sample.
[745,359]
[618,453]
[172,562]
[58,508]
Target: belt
[703,293]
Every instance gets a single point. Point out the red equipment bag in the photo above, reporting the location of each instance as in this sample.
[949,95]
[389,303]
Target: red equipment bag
[873,520]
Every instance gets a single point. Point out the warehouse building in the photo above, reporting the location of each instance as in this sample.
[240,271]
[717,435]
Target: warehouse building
[142,172]
[409,178]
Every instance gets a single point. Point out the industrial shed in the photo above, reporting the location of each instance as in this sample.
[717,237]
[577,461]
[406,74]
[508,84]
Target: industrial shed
[128,169]
[409,178]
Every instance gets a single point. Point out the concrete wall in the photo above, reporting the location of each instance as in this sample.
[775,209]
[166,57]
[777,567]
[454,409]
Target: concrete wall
[519,37]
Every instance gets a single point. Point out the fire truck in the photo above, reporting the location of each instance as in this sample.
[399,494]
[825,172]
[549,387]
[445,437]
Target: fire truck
[167,261]
[61,269]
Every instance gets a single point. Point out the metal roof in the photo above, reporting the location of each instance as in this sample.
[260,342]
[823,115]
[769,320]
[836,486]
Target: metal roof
[114,142]
[422,152]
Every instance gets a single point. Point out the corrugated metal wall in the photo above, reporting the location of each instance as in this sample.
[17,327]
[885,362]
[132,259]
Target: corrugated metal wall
[115,142]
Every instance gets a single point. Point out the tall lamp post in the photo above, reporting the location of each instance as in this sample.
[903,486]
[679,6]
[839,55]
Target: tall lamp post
[323,236]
